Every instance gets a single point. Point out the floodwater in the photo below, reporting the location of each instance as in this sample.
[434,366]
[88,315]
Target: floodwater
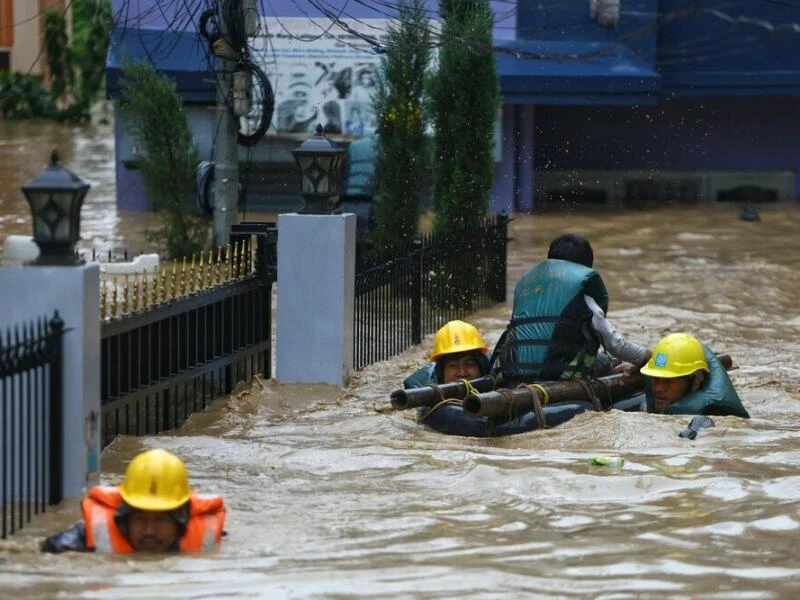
[331,496]
[87,151]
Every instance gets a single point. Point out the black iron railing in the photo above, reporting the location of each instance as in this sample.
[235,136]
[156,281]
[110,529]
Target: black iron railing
[163,364]
[31,425]
[442,277]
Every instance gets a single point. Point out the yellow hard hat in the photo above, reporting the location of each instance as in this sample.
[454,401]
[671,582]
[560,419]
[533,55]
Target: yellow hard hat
[677,355]
[457,336]
[156,480]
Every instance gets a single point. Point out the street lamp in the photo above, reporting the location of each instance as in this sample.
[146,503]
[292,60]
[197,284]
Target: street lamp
[55,196]
[320,166]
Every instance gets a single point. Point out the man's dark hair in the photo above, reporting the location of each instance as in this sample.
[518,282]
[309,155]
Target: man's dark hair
[573,248]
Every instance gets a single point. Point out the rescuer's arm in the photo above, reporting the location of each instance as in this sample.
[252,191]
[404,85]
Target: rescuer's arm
[614,343]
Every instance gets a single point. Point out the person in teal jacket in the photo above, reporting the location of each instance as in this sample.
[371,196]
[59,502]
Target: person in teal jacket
[459,352]
[558,322]
[684,377]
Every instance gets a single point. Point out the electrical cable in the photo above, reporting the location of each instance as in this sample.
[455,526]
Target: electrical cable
[266,103]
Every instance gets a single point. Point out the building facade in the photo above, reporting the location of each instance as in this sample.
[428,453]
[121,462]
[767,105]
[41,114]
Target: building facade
[705,113]
[609,102]
[22,34]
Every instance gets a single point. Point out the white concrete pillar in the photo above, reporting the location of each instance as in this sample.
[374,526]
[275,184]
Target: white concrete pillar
[31,292]
[316,279]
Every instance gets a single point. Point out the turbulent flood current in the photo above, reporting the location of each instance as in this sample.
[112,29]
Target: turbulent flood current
[331,496]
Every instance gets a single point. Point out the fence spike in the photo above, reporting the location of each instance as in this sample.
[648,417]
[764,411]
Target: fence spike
[154,297]
[237,250]
[210,274]
[219,269]
[39,327]
[200,269]
[227,272]
[114,297]
[192,276]
[103,299]
[173,288]
[183,277]
[145,304]
[125,296]
[135,302]
[163,295]
[28,335]
[14,346]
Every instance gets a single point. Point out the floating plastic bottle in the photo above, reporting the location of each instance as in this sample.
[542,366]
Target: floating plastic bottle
[607,461]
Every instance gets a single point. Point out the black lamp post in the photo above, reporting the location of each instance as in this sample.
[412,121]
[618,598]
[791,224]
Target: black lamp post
[55,196]
[320,167]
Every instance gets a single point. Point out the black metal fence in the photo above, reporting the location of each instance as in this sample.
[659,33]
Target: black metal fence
[443,277]
[31,426]
[163,364]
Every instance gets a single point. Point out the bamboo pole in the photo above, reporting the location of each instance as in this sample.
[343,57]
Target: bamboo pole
[432,394]
[524,398]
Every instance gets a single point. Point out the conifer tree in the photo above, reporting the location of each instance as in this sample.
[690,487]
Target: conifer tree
[401,147]
[155,116]
[465,99]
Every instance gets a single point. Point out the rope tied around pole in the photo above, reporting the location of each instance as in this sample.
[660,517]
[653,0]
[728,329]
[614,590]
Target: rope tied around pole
[470,389]
[537,403]
[598,405]
[441,401]
[506,393]
[607,388]
[542,389]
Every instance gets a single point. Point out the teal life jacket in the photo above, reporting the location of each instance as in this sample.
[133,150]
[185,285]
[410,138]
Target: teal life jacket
[716,396]
[550,334]
[422,377]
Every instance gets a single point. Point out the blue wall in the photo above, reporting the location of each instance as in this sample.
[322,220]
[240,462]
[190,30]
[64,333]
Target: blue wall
[560,20]
[705,53]
[756,133]
[735,47]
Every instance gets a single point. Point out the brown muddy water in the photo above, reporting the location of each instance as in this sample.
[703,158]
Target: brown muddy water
[88,151]
[329,497]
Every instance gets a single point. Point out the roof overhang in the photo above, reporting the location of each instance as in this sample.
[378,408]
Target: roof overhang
[574,73]
[182,56]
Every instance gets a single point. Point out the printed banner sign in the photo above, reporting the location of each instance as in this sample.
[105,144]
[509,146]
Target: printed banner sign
[321,73]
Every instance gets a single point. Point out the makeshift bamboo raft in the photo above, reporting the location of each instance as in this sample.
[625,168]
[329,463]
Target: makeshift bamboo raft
[479,408]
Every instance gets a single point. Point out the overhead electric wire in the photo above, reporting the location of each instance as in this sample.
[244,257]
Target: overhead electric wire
[692,8]
[782,3]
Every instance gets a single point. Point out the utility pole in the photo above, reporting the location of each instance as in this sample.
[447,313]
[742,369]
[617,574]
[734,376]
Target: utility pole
[226,156]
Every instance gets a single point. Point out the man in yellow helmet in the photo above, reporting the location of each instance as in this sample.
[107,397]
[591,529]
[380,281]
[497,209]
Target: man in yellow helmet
[459,352]
[154,510]
[684,377]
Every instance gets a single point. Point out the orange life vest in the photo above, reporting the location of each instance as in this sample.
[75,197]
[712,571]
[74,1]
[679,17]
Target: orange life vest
[203,530]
